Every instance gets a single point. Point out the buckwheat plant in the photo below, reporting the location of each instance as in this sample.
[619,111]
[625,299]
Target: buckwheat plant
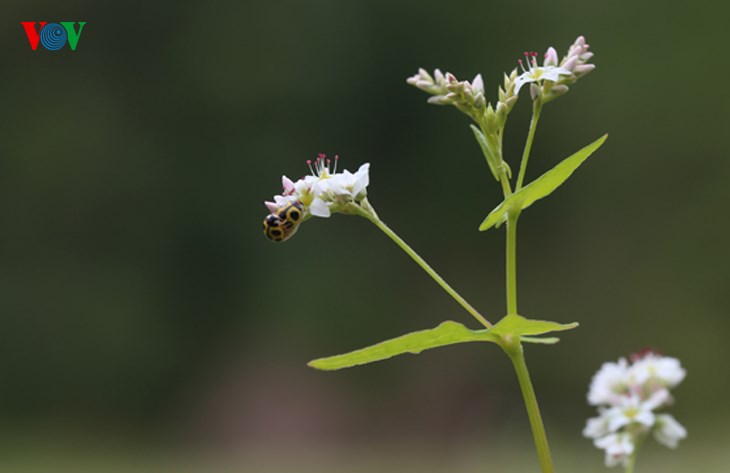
[627,396]
[326,191]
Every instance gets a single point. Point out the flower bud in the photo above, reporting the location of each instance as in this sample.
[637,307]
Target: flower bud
[571,63]
[491,120]
[478,84]
[534,91]
[551,57]
[583,69]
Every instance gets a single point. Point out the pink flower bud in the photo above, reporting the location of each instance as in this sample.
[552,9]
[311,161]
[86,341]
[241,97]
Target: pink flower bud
[584,69]
[551,57]
[273,208]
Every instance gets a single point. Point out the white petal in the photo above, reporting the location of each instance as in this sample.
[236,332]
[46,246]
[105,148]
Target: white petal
[668,431]
[524,78]
[283,200]
[478,84]
[596,427]
[362,180]
[287,184]
[553,73]
[271,206]
[645,417]
[319,208]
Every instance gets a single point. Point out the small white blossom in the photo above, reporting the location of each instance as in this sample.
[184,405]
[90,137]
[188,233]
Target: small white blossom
[628,396]
[610,383]
[665,370]
[597,427]
[324,191]
[538,74]
[633,409]
[618,448]
[668,431]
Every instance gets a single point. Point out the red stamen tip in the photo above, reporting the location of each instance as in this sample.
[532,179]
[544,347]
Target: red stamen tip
[519,61]
[643,353]
[337,156]
[309,161]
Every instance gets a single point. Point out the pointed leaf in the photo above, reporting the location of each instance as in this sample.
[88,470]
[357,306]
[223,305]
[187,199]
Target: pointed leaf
[542,186]
[517,325]
[543,340]
[482,140]
[447,333]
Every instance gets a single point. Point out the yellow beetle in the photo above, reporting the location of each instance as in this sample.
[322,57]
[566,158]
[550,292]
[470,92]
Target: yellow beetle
[281,225]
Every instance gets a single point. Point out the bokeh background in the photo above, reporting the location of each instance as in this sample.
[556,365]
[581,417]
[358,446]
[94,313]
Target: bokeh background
[147,325]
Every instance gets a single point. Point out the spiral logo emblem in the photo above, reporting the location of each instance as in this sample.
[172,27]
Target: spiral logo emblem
[53,36]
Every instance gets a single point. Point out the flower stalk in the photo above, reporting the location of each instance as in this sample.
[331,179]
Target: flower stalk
[365,210]
[536,110]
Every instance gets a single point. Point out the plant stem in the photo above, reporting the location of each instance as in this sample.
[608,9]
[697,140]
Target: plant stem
[632,458]
[513,347]
[533,411]
[536,109]
[425,266]
[512,262]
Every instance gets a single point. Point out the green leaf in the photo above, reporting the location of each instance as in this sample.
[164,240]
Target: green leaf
[543,340]
[447,333]
[513,324]
[486,151]
[540,187]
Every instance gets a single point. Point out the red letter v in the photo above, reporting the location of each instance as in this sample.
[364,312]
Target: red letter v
[33,35]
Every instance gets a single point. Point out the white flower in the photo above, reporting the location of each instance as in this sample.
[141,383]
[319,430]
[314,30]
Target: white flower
[668,431]
[609,384]
[534,73]
[618,447]
[665,370]
[597,427]
[324,191]
[628,396]
[634,410]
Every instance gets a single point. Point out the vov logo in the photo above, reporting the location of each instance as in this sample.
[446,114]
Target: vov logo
[53,36]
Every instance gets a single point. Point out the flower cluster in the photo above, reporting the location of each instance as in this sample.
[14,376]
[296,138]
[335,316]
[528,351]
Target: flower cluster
[551,80]
[448,90]
[324,191]
[628,396]
[468,97]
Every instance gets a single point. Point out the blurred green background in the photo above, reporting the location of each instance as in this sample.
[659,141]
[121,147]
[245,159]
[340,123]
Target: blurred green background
[146,324]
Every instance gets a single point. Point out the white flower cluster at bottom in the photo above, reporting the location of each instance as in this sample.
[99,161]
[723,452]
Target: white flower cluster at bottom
[627,396]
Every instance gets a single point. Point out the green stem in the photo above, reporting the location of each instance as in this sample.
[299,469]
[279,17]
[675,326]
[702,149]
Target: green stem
[533,411]
[536,109]
[512,262]
[425,266]
[504,180]
[513,348]
[632,458]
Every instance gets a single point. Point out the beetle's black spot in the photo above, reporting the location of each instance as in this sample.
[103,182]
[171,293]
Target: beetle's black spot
[275,233]
[294,214]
